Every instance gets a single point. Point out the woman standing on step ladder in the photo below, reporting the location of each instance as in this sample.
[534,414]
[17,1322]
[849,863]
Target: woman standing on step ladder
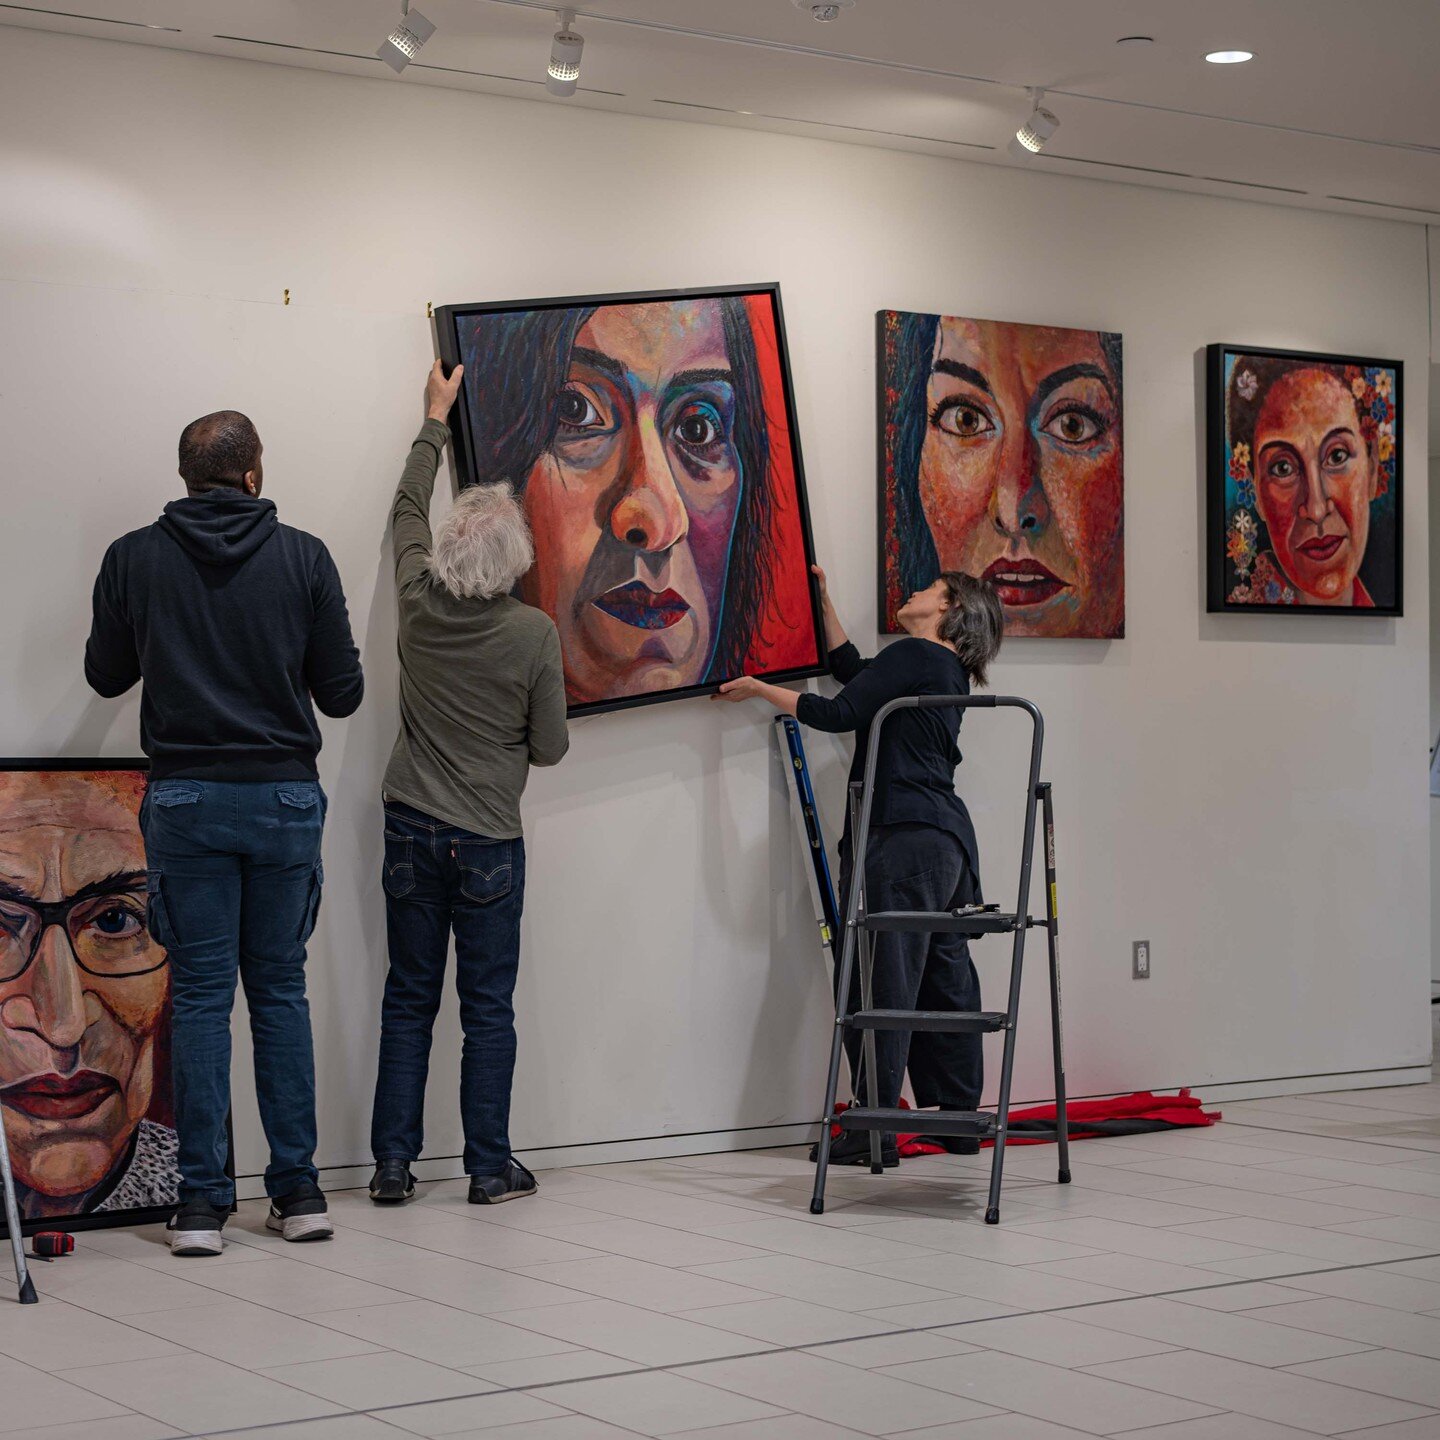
[922,851]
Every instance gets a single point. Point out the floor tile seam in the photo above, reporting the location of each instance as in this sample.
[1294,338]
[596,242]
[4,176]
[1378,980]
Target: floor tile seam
[1292,1324]
[1428,1410]
[809,1346]
[1339,1139]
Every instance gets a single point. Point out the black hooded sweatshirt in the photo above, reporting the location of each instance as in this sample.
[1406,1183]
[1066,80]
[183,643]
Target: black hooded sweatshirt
[234,621]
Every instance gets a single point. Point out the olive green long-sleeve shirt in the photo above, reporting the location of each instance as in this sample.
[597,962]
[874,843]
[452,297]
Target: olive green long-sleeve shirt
[482,688]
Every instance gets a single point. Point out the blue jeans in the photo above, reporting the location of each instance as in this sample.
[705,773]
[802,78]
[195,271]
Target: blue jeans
[234,890]
[439,877]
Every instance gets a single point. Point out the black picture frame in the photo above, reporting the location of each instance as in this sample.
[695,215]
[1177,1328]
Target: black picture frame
[107,1219]
[1217,474]
[447,342]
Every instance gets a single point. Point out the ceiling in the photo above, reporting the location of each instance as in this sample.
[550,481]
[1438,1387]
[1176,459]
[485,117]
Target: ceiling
[1338,110]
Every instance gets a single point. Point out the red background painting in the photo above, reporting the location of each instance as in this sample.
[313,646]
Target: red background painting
[786,639]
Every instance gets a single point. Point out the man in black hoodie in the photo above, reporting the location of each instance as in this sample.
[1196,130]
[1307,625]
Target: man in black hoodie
[234,622]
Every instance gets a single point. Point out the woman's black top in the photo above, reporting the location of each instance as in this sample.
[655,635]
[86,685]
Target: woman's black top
[915,769]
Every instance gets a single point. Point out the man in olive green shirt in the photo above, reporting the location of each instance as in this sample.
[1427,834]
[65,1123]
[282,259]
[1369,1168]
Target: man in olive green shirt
[482,698]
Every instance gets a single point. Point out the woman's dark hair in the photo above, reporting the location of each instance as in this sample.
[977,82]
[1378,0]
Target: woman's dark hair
[1242,412]
[516,364]
[973,622]
[908,354]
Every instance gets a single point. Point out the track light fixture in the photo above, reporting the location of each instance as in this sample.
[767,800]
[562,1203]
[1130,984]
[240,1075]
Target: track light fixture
[565,52]
[1032,137]
[403,43]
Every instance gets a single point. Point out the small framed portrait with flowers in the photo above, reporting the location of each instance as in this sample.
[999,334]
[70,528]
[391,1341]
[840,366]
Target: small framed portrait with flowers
[1305,483]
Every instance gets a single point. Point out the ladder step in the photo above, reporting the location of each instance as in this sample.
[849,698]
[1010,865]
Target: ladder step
[935,922]
[978,1124]
[948,1022]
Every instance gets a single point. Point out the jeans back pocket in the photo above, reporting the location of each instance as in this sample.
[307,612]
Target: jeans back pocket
[486,869]
[398,876]
[170,793]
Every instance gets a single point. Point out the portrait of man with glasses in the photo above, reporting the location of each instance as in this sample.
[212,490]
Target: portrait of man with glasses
[84,997]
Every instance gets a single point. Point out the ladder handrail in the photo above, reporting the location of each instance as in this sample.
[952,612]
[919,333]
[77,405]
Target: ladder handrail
[860,840]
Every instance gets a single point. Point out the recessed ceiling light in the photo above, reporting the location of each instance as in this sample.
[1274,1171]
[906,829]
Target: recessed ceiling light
[1229,57]
[1136,40]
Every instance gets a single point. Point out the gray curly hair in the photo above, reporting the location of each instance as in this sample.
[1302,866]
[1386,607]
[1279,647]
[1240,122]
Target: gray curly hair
[483,545]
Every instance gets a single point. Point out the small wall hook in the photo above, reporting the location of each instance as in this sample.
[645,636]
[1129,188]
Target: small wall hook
[287,297]
[429,310]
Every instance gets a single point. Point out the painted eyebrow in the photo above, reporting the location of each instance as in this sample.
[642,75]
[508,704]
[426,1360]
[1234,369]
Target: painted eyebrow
[599,360]
[962,372]
[1083,371]
[117,883]
[683,378]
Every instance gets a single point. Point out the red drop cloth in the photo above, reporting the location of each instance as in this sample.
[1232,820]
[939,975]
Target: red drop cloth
[1136,1114]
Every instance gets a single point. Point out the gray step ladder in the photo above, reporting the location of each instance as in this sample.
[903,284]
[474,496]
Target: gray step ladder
[861,925]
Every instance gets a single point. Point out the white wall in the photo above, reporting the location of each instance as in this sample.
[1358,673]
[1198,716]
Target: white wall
[1245,792]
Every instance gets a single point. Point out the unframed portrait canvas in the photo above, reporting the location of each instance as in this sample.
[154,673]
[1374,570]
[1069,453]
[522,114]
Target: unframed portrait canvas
[651,439]
[1305,482]
[84,999]
[1001,454]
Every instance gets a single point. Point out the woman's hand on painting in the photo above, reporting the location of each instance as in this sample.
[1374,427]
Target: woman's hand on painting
[835,635]
[440,391]
[747,687]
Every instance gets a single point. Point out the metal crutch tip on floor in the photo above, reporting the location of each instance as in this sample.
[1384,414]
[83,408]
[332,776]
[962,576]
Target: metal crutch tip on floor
[861,924]
[12,1221]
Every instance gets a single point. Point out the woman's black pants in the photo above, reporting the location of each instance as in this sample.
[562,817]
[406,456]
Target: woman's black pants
[918,867]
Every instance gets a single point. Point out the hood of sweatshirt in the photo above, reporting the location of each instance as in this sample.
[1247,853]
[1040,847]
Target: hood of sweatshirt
[221,527]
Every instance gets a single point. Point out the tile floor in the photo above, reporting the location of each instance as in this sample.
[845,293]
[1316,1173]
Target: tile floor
[1272,1278]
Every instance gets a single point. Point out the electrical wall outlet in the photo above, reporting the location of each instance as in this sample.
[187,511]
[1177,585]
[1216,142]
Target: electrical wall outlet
[1140,960]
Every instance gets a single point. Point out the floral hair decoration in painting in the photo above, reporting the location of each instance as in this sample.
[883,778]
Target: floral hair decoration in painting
[1310,447]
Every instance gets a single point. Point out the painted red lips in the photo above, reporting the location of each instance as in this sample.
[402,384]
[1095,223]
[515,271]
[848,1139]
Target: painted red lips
[1322,547]
[1023,582]
[638,605]
[60,1097]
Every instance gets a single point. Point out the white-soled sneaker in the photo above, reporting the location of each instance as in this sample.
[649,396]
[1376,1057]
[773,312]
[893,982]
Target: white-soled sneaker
[301,1215]
[195,1229]
[514,1182]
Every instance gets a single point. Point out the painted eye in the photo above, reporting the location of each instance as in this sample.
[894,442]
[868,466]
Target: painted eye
[576,411]
[1281,469]
[13,922]
[1075,427]
[698,428]
[115,922]
[1338,455]
[964,419]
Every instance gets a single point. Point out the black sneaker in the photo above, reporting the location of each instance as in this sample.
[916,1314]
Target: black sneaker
[512,1183]
[961,1144]
[853,1148]
[392,1183]
[195,1228]
[301,1215]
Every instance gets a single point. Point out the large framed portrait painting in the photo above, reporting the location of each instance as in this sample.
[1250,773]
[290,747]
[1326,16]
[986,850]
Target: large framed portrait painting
[84,999]
[651,440]
[1304,482]
[1002,454]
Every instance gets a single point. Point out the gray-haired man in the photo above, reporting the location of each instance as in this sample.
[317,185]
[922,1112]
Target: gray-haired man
[482,698]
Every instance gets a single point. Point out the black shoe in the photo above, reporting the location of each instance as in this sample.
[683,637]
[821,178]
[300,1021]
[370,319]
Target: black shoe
[195,1228]
[392,1183]
[512,1183]
[301,1215]
[853,1148]
[960,1144]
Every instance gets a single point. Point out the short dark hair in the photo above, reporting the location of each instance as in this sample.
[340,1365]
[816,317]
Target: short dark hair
[216,451]
[973,622]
